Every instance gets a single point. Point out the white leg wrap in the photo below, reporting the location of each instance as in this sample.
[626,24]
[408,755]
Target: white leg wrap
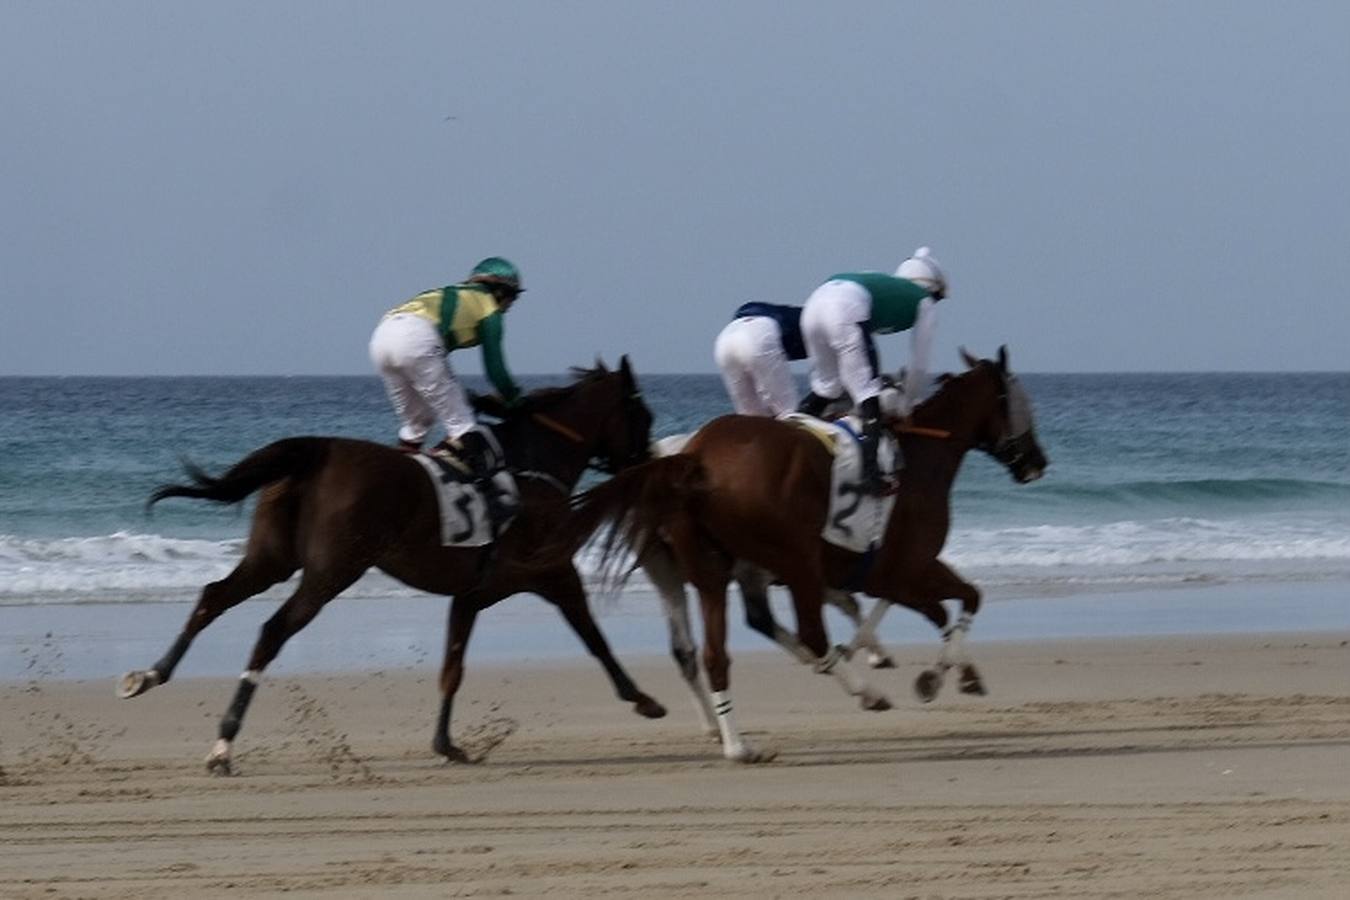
[954,642]
[732,745]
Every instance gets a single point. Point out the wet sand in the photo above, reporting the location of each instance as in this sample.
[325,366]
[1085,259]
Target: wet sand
[1163,767]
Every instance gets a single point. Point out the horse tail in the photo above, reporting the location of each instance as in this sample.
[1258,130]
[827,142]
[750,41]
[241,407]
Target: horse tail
[634,504]
[288,458]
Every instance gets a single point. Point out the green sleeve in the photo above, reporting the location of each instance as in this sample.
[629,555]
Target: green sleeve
[490,332]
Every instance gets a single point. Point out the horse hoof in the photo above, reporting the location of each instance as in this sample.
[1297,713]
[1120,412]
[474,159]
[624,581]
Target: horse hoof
[133,684]
[927,684]
[877,661]
[971,682]
[453,754]
[648,708]
[876,703]
[752,755]
[218,762]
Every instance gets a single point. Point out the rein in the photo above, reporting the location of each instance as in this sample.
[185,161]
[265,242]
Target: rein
[941,434]
[546,479]
[554,425]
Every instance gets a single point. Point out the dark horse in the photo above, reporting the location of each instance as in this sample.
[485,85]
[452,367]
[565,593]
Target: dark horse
[756,490]
[333,508]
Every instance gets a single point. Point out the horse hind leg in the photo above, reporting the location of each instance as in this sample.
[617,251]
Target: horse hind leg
[663,572]
[754,584]
[299,610]
[251,577]
[717,663]
[807,599]
[877,655]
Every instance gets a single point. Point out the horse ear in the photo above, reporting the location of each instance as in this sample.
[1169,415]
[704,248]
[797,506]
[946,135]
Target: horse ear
[626,370]
[1003,358]
[970,361]
[600,364]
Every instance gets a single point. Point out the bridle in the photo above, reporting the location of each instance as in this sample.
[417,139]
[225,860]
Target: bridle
[1009,449]
[608,467]
[636,441]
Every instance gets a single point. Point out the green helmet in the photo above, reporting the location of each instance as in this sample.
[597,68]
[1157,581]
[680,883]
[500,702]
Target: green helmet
[496,270]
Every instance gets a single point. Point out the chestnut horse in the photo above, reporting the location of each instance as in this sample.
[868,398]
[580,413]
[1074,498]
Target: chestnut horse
[756,490]
[333,508]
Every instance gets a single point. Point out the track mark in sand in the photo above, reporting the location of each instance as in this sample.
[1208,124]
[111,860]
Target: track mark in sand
[482,738]
[323,739]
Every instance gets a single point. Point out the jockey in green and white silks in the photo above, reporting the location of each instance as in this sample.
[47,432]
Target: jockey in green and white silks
[838,322]
[410,350]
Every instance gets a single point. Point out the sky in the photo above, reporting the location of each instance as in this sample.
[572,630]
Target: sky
[244,188]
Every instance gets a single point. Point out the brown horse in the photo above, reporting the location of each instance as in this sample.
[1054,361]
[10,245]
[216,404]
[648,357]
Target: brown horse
[756,490]
[333,508]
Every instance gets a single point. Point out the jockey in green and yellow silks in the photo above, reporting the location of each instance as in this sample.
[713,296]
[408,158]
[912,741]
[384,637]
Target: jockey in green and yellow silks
[410,350]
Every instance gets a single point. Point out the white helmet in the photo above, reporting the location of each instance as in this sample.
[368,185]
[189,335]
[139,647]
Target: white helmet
[924,271]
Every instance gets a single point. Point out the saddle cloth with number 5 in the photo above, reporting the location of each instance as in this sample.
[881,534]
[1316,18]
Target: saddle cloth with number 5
[464,518]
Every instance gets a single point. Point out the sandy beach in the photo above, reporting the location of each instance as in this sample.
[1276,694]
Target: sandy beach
[1161,767]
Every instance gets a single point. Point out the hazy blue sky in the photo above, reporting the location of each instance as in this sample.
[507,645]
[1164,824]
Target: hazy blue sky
[192,187]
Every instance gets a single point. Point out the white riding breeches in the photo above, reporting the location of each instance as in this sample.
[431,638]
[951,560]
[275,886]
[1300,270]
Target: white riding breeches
[749,352]
[834,330]
[409,355]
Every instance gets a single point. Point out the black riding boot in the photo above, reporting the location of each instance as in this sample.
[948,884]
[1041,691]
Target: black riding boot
[874,482]
[483,462]
[813,404]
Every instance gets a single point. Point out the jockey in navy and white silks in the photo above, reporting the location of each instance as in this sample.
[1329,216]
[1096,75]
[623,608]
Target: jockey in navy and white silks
[753,352]
[838,322]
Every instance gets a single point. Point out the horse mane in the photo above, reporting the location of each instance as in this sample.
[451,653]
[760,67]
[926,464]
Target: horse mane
[946,392]
[581,377]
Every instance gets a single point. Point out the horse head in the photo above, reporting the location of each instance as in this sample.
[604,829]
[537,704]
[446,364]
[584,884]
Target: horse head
[600,421]
[626,431]
[1008,432]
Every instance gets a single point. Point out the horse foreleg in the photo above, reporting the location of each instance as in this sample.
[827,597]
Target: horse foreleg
[566,592]
[877,657]
[248,579]
[294,614]
[663,572]
[940,582]
[463,613]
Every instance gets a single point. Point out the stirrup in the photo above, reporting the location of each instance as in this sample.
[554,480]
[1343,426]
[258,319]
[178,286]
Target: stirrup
[879,484]
[501,508]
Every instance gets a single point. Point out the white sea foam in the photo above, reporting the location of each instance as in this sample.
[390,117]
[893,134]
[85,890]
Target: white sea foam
[126,566]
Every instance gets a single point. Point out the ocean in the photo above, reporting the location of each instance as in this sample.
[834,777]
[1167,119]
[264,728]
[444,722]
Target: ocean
[1156,481]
